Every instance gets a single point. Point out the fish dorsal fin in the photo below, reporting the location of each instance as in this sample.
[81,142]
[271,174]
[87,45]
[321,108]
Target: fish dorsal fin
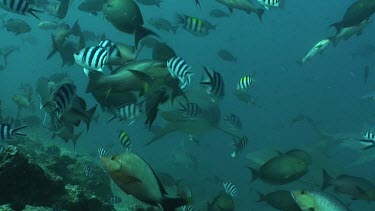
[161,187]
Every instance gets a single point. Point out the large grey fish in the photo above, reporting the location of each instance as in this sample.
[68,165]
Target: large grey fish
[163,24]
[245,5]
[135,177]
[126,16]
[92,6]
[150,2]
[17,26]
[358,12]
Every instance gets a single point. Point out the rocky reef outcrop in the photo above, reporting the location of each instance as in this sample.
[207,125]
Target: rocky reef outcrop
[33,177]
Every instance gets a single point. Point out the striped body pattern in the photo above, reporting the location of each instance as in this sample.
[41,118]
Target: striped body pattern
[233,121]
[6,131]
[112,48]
[124,140]
[190,109]
[269,3]
[195,25]
[239,146]
[213,82]
[187,208]
[180,69]
[92,58]
[63,98]
[102,152]
[115,200]
[18,6]
[245,83]
[230,189]
[129,111]
[88,171]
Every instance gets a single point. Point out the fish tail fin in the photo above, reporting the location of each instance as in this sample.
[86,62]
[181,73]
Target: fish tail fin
[76,29]
[170,204]
[206,76]
[90,115]
[6,56]
[326,179]
[180,19]
[333,40]
[54,47]
[33,11]
[260,13]
[369,147]
[338,26]
[142,32]
[254,173]
[94,77]
[262,197]
[14,131]
[75,139]
[174,29]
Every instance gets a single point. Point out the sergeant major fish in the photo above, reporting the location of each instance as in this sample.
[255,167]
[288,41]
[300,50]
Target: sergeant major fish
[19,6]
[6,131]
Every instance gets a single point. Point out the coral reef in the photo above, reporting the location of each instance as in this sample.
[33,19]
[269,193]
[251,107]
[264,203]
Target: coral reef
[33,179]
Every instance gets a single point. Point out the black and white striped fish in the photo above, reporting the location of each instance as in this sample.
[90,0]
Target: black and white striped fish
[239,145]
[19,6]
[92,58]
[230,189]
[213,82]
[114,52]
[125,140]
[245,82]
[88,171]
[187,208]
[368,140]
[53,150]
[6,131]
[270,3]
[114,200]
[102,152]
[195,26]
[128,112]
[181,70]
[190,109]
[233,121]
[61,100]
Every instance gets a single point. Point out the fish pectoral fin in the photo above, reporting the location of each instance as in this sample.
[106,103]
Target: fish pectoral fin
[132,180]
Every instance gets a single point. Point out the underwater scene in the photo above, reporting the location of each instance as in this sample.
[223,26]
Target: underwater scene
[187,105]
